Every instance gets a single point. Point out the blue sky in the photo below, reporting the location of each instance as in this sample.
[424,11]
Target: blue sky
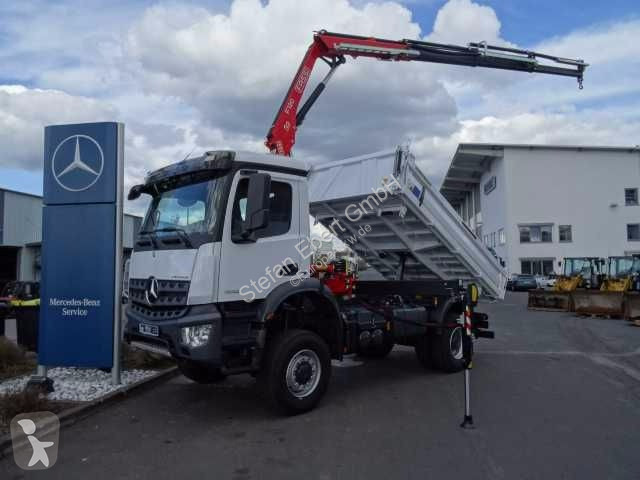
[190,76]
[528,22]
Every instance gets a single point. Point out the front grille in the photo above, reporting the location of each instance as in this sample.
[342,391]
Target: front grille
[171,301]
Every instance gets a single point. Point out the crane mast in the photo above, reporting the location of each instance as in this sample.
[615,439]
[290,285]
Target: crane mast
[333,47]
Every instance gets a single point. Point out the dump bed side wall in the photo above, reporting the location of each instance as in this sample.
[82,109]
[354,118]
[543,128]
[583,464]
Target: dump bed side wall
[407,218]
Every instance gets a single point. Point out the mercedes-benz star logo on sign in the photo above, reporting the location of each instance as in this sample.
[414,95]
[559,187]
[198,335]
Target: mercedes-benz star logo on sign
[151,293]
[77,163]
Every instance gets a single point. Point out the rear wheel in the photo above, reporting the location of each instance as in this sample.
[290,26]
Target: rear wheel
[378,351]
[423,350]
[200,373]
[296,371]
[447,352]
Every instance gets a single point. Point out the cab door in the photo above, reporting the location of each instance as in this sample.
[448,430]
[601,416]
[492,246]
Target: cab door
[250,270]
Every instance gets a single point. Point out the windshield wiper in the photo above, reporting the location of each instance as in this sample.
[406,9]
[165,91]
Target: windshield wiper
[151,235]
[184,236]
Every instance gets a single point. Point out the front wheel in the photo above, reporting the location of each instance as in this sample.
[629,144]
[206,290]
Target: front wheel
[296,371]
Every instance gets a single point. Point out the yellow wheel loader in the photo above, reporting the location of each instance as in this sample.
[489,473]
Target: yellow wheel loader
[611,298]
[578,273]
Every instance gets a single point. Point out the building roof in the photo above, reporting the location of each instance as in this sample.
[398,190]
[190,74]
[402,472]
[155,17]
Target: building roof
[33,195]
[471,160]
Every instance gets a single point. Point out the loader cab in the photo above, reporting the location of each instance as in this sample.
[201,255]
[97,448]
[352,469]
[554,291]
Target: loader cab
[591,270]
[622,267]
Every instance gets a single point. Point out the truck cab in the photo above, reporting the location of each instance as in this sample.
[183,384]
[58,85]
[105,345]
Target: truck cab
[243,214]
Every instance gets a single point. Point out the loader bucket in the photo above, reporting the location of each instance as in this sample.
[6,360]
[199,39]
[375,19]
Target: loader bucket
[551,300]
[632,306]
[598,302]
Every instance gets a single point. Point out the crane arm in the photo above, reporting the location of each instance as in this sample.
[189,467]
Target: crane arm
[333,47]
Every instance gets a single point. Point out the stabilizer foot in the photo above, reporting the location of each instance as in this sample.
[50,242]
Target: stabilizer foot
[467,423]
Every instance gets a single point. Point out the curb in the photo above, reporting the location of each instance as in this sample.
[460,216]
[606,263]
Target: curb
[80,412]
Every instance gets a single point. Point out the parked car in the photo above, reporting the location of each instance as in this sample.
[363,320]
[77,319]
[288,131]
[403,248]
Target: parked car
[546,281]
[523,282]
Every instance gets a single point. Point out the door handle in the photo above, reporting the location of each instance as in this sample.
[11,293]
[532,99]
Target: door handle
[289,269]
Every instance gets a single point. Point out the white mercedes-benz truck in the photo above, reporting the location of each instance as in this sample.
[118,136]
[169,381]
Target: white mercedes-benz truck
[221,276]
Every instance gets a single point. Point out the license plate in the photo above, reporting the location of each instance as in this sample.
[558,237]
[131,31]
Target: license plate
[146,329]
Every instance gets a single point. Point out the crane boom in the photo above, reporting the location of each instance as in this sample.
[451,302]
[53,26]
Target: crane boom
[333,47]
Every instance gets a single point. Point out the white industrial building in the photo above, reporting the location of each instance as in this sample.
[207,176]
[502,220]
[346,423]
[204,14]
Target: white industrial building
[536,204]
[21,235]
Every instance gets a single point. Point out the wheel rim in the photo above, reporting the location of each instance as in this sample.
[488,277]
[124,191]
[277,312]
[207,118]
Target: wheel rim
[455,343]
[303,373]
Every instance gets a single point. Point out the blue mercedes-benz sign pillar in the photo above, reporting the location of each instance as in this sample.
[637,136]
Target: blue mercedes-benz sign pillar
[81,279]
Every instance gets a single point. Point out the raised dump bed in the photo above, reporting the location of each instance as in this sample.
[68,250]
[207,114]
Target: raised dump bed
[407,229]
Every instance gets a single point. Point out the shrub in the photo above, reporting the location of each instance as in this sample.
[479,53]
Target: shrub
[140,359]
[14,403]
[13,360]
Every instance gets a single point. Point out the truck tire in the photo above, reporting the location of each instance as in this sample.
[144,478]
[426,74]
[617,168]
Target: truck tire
[200,373]
[378,351]
[296,371]
[424,351]
[446,352]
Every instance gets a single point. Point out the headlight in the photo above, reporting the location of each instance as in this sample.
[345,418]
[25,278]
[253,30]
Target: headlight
[196,335]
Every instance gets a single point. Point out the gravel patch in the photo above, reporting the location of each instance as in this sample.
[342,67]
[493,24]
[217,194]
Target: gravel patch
[79,384]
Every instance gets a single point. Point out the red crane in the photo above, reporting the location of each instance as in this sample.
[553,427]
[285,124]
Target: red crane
[332,48]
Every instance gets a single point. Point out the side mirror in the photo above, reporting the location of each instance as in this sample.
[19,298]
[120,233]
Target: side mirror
[135,192]
[258,202]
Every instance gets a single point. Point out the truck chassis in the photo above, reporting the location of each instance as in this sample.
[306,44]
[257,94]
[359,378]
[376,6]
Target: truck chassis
[288,344]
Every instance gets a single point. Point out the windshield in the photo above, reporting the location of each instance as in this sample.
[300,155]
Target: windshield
[577,266]
[192,209]
[624,266]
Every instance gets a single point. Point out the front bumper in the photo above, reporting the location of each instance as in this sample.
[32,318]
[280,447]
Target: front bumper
[168,338]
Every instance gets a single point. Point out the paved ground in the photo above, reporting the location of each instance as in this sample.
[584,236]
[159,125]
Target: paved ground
[555,397]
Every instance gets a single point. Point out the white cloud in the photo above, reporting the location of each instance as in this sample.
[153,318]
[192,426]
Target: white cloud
[24,113]
[188,78]
[463,21]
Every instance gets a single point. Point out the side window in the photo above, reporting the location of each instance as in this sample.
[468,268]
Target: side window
[279,209]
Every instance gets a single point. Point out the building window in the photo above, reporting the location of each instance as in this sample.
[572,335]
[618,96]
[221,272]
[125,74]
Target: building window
[564,233]
[631,196]
[502,238]
[493,239]
[633,232]
[536,233]
[536,266]
[490,186]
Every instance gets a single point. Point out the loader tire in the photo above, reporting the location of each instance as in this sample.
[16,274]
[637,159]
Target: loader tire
[295,371]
